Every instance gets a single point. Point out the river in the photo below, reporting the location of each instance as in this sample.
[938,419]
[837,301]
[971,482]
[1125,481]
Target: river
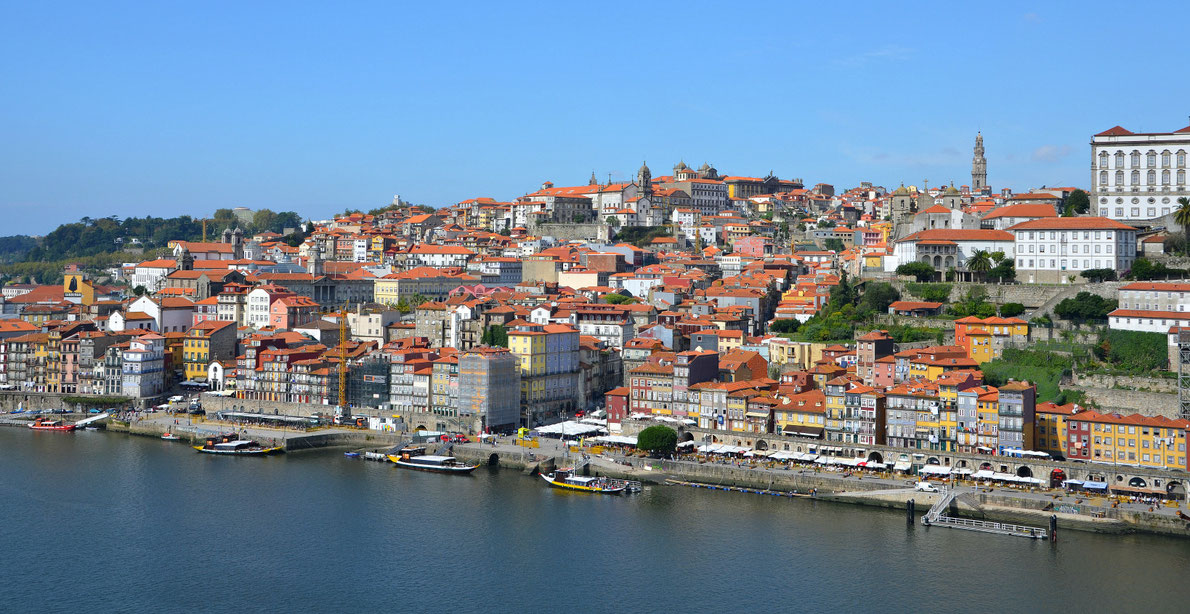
[96,521]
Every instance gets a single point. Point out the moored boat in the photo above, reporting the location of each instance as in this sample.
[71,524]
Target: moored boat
[170,437]
[231,444]
[41,424]
[565,478]
[416,458]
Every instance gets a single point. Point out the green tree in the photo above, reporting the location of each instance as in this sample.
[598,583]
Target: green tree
[921,270]
[1011,310]
[876,299]
[1004,271]
[833,245]
[980,263]
[657,440]
[1078,203]
[1085,307]
[495,335]
[612,221]
[139,290]
[826,223]
[1182,215]
[1099,275]
[618,299]
[784,326]
[416,300]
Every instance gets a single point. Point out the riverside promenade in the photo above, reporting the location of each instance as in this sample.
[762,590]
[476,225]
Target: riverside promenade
[985,502]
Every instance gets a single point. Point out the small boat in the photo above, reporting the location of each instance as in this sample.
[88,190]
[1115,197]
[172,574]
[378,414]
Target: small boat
[416,458]
[351,454]
[231,444]
[376,456]
[170,436]
[41,424]
[566,479]
[92,428]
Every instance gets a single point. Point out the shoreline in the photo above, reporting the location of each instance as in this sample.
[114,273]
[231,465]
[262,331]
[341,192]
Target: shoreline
[990,504]
[1081,514]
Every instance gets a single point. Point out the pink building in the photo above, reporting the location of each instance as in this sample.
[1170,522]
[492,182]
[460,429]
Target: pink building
[291,311]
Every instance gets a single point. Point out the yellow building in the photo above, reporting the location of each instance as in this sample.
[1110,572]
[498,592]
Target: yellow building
[802,414]
[1050,424]
[979,345]
[196,354]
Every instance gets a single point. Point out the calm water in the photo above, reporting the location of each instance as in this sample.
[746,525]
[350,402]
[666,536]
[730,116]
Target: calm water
[105,522]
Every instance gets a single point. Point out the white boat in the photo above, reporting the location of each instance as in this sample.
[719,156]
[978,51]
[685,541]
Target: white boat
[170,437]
[416,458]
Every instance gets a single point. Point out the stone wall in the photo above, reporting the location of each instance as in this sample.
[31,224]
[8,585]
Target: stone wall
[567,232]
[213,403]
[1134,401]
[1128,382]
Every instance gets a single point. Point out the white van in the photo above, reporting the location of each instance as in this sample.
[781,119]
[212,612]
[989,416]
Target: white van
[925,487]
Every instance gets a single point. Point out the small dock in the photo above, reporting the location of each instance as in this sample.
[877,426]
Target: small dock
[937,517]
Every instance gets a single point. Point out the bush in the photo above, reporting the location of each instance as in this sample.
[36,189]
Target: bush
[1003,271]
[618,299]
[1133,351]
[1011,310]
[877,297]
[1042,369]
[1085,307]
[1099,275]
[920,270]
[784,326]
[657,439]
[934,293]
[1144,269]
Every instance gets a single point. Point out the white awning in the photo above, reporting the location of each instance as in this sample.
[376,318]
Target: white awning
[569,429]
[983,474]
[902,465]
[618,439]
[935,470]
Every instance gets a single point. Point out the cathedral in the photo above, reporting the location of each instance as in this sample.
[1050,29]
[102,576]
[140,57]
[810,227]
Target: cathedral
[906,204]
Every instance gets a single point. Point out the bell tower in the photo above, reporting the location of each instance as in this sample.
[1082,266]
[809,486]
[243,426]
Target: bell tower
[979,167]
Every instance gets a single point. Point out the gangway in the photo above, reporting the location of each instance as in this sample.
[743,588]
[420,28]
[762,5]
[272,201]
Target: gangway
[84,422]
[937,517]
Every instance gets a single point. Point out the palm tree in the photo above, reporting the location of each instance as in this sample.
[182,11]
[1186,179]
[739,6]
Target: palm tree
[1182,215]
[979,262]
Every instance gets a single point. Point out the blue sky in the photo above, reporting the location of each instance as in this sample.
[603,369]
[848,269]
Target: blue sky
[181,108]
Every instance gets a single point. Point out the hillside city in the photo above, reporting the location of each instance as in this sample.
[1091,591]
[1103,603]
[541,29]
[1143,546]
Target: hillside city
[935,317]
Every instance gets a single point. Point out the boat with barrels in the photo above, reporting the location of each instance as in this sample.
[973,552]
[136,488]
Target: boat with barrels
[232,444]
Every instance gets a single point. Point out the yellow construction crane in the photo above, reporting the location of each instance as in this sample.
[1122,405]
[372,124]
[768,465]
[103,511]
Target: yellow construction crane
[343,356]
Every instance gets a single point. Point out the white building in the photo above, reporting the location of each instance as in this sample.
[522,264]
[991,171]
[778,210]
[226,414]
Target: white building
[1152,306]
[948,248]
[150,273]
[1052,250]
[144,367]
[1138,176]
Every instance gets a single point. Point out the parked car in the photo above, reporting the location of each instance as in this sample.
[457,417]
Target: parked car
[925,487]
[460,438]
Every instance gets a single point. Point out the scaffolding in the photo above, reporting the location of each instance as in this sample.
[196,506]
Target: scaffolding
[1184,374]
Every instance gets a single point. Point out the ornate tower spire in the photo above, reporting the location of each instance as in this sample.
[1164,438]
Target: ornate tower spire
[979,167]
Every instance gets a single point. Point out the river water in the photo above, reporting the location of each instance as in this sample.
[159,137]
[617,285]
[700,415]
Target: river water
[96,521]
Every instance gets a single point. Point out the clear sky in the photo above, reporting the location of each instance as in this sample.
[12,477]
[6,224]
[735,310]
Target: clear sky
[170,108]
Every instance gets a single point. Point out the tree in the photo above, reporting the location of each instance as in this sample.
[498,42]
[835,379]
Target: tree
[416,300]
[139,290]
[1011,310]
[921,270]
[980,262]
[1077,203]
[495,335]
[612,221]
[876,299]
[618,299]
[835,245]
[1085,307]
[657,440]
[1182,215]
[403,305]
[825,224]
[1144,269]
[1003,271]
[784,326]
[1099,275]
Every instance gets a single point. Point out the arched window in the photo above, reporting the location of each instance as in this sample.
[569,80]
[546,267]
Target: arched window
[1135,178]
[1181,177]
[1151,177]
[1102,177]
[1165,177]
[1103,159]
[1119,178]
[1134,159]
[1151,159]
[1119,159]
[1165,158]
[1181,158]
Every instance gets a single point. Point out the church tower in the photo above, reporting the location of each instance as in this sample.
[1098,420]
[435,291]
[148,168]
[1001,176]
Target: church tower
[644,180]
[979,167]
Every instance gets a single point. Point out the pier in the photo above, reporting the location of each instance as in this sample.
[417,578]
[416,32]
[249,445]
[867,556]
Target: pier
[936,517]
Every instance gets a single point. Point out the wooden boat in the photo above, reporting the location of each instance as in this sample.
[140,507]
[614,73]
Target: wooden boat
[233,445]
[170,437]
[416,458]
[566,479]
[41,424]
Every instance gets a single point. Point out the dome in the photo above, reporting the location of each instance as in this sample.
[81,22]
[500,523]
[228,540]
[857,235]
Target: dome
[644,168]
[952,191]
[900,191]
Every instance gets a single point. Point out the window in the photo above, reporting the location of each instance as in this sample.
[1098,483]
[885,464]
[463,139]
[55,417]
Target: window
[1165,177]
[1151,177]
[1119,158]
[1134,159]
[1151,159]
[1134,179]
[1103,177]
[1165,158]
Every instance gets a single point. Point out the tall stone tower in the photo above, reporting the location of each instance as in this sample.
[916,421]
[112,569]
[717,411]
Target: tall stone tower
[979,167]
[644,180]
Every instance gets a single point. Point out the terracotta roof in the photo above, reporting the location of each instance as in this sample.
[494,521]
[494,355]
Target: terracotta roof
[1072,223]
